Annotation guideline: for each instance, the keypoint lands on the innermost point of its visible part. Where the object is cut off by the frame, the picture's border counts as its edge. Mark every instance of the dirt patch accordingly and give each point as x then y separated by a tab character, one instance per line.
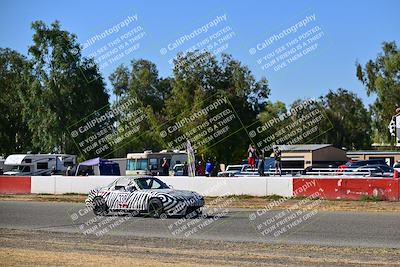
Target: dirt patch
41	248
75	198
248	202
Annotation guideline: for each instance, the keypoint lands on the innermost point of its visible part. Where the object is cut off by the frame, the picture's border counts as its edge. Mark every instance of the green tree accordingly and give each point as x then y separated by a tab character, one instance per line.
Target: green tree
120	80
272	110
381	77
142	81
15	76
198	77
67	87
350	119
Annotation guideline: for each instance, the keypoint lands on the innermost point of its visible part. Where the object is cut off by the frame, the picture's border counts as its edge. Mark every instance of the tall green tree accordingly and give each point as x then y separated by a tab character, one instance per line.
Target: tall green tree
198	77
350	119
141	81
15	76
67	87
272	110
381	77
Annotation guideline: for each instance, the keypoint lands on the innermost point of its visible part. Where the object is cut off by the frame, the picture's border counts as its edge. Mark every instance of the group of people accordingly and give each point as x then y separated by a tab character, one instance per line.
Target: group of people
208	169
252	157
205	170
200	168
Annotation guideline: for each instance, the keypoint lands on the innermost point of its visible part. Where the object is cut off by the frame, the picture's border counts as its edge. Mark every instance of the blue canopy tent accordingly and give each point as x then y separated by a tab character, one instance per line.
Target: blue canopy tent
98	166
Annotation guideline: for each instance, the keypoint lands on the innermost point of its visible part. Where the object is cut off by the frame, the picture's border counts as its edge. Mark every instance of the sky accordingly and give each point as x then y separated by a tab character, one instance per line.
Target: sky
303	48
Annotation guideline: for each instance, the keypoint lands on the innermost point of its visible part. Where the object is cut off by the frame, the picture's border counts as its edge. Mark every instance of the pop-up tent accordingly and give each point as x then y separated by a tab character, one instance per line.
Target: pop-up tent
97	166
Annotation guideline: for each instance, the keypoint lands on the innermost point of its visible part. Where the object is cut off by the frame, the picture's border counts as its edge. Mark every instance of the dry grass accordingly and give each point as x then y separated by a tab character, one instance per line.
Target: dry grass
39	248
33	257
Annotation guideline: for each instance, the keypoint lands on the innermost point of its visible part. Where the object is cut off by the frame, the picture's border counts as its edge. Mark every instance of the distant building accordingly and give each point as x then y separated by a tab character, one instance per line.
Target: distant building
302	156
389	156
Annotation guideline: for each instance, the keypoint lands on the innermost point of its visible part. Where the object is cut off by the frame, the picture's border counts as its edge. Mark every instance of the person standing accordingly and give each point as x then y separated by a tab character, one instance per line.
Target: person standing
261	163
251	157
200	171
185	169
209	168
278	160
165	167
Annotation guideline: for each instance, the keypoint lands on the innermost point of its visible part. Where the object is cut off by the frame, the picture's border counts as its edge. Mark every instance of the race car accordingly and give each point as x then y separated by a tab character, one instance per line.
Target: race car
144	194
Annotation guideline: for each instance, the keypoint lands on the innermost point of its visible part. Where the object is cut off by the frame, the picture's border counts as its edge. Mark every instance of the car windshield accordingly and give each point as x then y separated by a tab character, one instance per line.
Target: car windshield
137	165
178	167
386	168
150	183
122	181
21	168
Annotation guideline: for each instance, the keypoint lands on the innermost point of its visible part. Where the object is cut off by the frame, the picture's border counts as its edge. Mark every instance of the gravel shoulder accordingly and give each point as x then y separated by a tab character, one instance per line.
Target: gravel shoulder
41	248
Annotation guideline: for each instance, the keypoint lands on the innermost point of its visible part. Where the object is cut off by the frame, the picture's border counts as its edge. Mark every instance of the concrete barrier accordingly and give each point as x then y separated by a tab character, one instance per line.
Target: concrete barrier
207	186
203	185
221	186
281	186
43	185
68	184
355	188
81	185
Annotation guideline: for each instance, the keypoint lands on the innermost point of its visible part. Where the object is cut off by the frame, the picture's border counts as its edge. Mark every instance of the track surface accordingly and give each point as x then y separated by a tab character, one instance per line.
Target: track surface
324	228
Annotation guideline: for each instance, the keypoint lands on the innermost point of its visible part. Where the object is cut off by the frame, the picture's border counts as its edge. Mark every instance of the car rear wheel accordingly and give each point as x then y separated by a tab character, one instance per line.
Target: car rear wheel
156	209
100	207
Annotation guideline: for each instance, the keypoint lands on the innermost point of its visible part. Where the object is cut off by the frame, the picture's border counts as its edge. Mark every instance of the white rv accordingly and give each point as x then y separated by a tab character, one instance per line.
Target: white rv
149	162
3	168
39	164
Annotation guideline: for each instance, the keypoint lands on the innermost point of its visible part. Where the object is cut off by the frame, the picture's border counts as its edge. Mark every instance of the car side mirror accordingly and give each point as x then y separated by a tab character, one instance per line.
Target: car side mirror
170	186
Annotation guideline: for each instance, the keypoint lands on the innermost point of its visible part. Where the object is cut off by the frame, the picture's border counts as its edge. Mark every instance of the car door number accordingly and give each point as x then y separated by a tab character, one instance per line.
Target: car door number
122	200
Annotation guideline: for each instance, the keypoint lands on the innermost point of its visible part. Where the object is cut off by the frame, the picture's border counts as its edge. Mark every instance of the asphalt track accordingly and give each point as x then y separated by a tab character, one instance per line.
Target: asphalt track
360	229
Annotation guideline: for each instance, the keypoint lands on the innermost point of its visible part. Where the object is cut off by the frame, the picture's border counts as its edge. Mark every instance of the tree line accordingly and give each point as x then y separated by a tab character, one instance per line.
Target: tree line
54	86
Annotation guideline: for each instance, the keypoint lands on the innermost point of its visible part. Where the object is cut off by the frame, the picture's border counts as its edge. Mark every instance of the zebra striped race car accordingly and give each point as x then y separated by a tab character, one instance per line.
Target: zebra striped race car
143	194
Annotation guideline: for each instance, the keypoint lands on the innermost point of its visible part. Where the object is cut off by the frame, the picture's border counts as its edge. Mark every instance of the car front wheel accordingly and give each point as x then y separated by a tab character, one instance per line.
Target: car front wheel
155	208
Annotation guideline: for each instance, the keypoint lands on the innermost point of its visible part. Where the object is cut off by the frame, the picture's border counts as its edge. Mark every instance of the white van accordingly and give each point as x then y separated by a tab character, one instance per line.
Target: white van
39	164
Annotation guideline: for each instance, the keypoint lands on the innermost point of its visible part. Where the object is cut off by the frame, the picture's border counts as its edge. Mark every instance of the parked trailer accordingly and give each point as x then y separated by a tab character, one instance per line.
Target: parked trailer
38	164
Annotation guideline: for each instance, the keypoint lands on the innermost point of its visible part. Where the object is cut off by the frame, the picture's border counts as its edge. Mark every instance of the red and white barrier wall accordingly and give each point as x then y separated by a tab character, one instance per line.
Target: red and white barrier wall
318	187
207	186
347	188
